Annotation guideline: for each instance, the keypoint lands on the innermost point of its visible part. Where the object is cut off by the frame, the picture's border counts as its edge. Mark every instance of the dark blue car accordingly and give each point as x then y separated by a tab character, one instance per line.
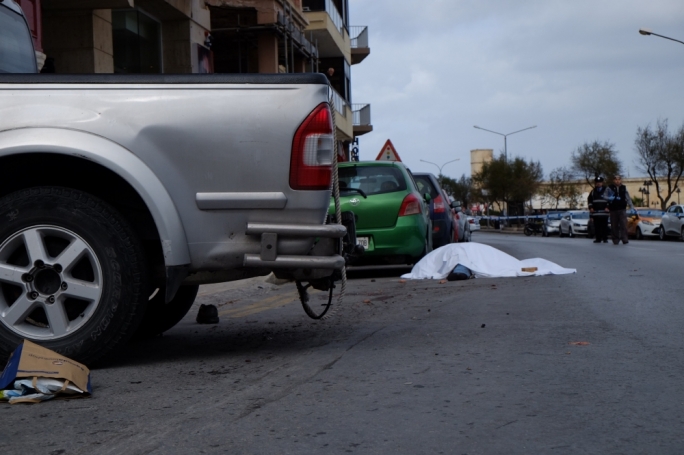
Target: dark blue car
443	229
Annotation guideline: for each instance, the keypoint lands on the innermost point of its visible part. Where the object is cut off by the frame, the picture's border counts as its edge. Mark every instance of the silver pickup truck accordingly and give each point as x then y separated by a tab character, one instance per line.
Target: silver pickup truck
121	194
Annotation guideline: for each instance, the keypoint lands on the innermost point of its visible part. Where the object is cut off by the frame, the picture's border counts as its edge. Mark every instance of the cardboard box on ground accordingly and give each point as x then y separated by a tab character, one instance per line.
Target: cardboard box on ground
34	373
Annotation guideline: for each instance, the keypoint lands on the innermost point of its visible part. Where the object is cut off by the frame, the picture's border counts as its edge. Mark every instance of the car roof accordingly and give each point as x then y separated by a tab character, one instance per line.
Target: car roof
370	163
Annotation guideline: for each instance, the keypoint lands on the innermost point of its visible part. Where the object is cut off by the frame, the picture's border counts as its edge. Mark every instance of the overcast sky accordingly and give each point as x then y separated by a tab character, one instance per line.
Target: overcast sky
578	69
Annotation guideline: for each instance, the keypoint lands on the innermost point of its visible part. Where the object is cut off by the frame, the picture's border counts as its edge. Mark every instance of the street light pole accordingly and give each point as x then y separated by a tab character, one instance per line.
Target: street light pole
647	32
438	166
505	136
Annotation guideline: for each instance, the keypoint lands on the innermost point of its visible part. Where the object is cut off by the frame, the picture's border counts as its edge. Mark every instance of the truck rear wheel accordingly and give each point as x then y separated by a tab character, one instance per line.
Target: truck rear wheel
73	274
160	316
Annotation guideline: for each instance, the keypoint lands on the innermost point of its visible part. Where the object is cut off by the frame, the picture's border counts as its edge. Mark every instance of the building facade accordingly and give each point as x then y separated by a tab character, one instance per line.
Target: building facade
206	36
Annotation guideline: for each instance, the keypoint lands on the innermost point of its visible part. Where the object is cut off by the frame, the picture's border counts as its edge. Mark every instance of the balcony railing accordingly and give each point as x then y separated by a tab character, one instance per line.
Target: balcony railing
340	103
362	114
359	36
329	7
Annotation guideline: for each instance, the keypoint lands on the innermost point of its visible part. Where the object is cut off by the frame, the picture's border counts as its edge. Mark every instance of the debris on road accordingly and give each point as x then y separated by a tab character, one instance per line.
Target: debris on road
207	314
579	343
34	374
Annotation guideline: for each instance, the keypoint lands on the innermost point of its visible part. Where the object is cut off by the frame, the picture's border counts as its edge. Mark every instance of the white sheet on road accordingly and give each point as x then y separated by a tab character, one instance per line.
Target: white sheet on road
483	260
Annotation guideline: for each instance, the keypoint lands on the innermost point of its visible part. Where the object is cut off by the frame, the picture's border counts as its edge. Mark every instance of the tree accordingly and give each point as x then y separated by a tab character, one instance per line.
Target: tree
561	187
461	189
511	182
596	158
661	155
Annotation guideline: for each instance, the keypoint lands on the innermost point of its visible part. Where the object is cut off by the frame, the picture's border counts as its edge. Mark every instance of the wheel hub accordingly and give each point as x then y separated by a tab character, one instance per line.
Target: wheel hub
47	281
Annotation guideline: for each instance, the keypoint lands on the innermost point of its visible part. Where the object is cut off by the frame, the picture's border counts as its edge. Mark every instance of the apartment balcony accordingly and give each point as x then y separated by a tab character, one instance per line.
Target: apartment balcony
361	119
328	28
360	49
344	117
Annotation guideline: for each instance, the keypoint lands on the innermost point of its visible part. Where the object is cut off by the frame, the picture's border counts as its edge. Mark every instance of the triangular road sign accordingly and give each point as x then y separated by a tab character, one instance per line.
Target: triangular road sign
388	153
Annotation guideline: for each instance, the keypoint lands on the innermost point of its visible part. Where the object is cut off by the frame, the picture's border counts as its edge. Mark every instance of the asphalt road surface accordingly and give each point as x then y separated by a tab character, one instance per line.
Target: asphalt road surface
590	363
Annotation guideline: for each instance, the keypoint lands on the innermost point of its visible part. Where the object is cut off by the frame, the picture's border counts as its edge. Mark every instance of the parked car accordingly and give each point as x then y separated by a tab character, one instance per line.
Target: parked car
474	223
672	223
122	193
392	216
551	223
643	222
444	222
574	222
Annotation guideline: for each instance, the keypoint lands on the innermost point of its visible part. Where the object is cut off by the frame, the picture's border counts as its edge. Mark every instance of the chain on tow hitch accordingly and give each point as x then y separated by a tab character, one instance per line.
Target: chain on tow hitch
301	289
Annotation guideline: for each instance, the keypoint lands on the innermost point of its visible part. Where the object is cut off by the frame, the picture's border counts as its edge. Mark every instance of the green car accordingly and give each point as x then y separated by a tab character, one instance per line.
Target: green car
392	218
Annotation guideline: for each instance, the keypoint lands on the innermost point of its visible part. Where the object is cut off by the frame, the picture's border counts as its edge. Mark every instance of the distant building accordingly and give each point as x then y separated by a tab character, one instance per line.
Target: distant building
478	157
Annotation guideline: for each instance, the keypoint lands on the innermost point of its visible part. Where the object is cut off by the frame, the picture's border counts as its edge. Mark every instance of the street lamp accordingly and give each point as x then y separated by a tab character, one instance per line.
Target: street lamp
438	166
647	32
505	136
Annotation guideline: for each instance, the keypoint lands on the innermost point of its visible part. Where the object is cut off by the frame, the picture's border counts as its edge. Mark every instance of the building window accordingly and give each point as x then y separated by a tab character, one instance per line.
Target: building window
137	42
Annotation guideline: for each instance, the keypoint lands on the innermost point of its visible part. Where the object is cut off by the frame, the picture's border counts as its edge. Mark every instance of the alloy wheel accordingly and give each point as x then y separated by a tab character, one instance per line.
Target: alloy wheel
50	282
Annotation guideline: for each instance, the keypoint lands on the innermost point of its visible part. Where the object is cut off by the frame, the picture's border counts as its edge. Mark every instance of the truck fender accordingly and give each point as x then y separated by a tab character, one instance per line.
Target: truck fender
117	159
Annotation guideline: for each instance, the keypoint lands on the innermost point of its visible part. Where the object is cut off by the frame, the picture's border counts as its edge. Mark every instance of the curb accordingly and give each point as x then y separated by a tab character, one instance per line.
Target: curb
502	231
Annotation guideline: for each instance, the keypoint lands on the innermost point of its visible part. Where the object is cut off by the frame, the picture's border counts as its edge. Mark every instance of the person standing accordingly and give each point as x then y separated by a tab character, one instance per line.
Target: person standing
598	207
618	200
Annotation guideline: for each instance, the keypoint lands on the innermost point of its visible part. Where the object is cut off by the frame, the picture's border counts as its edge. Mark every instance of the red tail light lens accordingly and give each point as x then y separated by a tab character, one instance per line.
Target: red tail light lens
410	206
312	151
438	205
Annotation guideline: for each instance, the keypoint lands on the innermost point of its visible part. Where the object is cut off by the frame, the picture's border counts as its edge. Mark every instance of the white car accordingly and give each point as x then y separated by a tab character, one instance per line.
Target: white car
474	223
552	223
672	223
574	222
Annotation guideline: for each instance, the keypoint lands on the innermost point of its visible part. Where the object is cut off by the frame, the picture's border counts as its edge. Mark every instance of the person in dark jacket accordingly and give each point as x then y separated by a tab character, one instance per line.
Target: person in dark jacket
598	206
618	200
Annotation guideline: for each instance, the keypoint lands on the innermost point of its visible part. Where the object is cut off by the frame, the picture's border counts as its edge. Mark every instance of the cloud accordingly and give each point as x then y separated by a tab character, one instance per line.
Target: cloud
579	70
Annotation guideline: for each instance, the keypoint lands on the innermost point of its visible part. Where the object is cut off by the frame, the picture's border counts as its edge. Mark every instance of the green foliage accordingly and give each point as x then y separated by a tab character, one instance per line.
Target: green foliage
561	187
461	189
513	181
661	155
595	158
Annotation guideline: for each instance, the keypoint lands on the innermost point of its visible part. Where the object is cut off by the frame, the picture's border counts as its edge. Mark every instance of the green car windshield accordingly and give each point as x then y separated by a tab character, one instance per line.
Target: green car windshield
372	179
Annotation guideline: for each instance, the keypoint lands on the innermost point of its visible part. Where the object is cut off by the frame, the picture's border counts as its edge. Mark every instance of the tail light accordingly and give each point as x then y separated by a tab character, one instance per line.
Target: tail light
312	151
410	206
471	221
438	205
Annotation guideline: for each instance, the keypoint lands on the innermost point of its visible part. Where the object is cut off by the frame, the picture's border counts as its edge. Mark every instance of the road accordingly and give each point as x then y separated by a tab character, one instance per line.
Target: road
589	363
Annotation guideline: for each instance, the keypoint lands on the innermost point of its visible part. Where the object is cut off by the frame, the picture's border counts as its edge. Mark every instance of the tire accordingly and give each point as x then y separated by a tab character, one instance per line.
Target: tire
527	231
160	317
681	235
639	234
661	233
82	287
